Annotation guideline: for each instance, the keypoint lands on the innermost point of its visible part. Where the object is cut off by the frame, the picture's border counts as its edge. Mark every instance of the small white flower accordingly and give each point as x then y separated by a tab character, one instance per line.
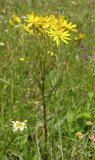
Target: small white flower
19	125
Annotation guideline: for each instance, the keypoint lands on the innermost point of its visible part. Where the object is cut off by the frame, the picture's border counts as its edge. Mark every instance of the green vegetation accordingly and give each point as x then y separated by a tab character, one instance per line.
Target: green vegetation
71	107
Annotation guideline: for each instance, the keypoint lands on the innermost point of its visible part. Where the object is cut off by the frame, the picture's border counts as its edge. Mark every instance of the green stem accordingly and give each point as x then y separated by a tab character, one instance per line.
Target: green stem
44	118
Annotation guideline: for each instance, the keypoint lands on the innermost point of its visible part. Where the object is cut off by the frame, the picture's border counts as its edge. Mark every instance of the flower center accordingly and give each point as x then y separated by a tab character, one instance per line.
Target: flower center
18	125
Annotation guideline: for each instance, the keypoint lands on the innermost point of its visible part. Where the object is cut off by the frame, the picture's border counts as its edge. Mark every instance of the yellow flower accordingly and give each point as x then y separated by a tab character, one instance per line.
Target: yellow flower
60	22
30	18
34	20
69	26
14	20
61	19
51	22
59	35
19	125
42	20
21	59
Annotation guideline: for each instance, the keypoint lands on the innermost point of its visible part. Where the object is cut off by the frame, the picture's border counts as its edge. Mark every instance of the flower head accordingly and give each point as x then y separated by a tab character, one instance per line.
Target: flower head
59	34
50	22
34	20
69	26
15	20
19	125
60	22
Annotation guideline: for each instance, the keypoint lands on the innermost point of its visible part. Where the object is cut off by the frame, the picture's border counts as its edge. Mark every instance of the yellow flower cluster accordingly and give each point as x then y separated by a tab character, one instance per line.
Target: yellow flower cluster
57	28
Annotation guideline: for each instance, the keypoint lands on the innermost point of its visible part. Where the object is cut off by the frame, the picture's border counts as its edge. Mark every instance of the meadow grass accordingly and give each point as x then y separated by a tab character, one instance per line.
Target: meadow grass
73	103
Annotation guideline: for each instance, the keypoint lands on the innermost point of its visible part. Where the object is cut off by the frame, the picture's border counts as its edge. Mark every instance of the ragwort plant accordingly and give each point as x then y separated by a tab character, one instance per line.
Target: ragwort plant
46	33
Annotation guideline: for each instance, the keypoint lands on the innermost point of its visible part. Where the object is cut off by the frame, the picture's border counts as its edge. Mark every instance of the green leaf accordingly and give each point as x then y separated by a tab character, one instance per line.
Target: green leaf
84	116
90	95
70	116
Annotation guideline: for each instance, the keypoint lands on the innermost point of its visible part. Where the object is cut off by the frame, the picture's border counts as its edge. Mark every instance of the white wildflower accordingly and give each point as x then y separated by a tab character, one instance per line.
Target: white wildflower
19	125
